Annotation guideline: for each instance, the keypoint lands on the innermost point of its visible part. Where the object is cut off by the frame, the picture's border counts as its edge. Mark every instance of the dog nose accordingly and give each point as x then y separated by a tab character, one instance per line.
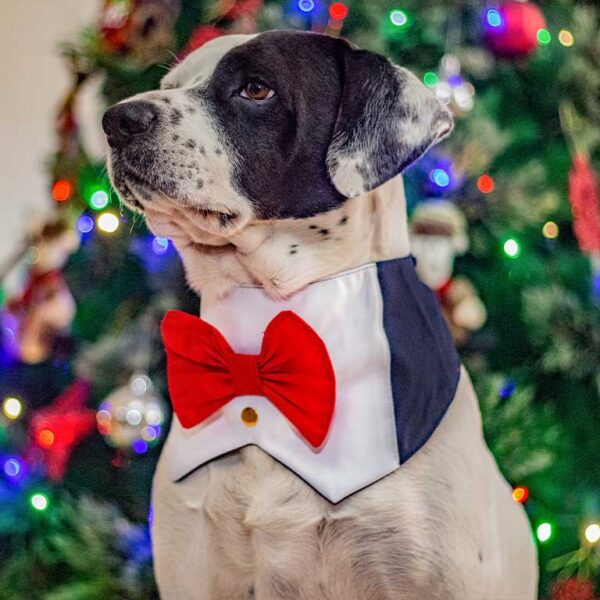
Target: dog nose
125	122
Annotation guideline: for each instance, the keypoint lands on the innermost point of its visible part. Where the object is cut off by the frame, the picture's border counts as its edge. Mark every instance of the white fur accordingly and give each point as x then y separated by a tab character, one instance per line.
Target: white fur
441	527
244	522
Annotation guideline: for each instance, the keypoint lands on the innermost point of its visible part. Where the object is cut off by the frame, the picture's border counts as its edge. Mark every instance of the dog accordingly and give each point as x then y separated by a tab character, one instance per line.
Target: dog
273	163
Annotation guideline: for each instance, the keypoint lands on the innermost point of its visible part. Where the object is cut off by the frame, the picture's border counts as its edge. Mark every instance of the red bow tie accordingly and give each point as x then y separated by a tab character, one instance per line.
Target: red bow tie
293	370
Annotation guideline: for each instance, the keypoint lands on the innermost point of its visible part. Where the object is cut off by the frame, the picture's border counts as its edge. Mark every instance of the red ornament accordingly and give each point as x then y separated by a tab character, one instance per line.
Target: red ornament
573	589
59	427
514	35
584	194
199	37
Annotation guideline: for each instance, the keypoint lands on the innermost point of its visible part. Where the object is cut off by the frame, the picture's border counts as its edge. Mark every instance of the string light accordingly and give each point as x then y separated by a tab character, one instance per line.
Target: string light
61	190
99	200
39	501
430	79
108	222
592	533
543	37
306	6
12	408
45	438
565	37
398	18
550	230
140	446
544	532
493	18
338	11
512	248
160	245
440	177
12	468
520	494
85	224
485	184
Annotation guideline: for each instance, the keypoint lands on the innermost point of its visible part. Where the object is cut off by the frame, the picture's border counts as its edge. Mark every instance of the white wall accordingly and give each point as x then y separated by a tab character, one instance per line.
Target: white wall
33	81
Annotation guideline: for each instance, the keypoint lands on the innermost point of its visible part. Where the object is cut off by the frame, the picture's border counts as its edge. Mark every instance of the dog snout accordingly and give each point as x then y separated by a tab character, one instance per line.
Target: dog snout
129	121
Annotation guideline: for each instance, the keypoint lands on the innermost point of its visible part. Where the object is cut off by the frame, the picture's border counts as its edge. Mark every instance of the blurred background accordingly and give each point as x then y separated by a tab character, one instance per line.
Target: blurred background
505	223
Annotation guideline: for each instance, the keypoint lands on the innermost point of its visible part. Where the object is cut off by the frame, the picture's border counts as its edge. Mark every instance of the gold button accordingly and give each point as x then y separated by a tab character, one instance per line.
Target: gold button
249	417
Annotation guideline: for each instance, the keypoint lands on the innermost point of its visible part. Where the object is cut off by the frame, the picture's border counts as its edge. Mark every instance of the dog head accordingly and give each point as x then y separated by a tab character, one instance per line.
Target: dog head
281	125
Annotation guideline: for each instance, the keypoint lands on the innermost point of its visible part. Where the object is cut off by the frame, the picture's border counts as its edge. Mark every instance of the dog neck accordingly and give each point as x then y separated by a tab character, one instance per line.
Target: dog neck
284	256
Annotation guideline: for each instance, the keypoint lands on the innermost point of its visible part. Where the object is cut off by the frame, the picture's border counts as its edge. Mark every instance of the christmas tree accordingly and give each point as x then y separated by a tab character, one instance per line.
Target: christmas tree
513	193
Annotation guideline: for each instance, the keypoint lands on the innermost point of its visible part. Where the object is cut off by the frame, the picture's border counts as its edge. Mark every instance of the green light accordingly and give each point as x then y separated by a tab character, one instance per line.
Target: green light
99	200
399	18
430	79
39	501
544	37
512	248
544	532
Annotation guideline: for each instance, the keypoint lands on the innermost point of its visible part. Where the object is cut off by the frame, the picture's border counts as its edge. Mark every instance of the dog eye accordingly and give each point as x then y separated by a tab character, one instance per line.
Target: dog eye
256	91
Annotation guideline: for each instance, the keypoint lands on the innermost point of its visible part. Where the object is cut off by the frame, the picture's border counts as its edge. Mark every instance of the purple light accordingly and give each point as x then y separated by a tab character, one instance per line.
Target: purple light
13	468
85	224
455	80
160	245
140	446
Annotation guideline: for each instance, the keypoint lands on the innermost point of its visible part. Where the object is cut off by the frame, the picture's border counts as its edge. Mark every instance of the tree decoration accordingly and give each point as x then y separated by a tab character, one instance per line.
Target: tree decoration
438	235
59	427
132	416
512	28
450	86
230	17
584	195
141	30
573	589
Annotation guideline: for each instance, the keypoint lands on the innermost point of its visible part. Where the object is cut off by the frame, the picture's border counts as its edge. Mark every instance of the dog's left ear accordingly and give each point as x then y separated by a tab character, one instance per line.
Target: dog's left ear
387	118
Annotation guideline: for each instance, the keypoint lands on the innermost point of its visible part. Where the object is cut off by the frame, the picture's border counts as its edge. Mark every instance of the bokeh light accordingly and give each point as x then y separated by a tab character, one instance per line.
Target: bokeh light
85	224
12	408
550	230
431	79
544	532
306	6
108	222
565	37
543	37
520	494
485	184
398	18
512	248
61	190
592	533
338	11
39	501
99	200
493	18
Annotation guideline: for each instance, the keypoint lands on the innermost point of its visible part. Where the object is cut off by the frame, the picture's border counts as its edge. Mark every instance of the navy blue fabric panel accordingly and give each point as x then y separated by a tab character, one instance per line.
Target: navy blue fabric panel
425	366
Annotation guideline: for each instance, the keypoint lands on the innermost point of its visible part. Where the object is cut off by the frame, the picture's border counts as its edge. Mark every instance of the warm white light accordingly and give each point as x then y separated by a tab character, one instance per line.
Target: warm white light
108	222
12	408
592	533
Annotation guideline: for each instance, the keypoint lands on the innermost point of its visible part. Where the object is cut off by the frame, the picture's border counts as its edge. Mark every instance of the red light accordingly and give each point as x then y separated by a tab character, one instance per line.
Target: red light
338	11
520	494
45	438
485	184
61	190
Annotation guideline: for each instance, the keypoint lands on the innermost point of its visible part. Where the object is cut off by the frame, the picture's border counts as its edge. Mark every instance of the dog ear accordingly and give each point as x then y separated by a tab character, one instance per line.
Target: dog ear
387	118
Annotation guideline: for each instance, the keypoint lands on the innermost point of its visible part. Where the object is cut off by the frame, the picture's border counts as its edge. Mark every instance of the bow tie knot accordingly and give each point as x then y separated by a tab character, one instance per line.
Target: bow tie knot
246	380
293	370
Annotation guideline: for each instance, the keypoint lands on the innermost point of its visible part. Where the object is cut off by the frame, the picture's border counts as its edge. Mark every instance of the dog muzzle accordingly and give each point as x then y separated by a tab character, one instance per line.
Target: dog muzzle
342	383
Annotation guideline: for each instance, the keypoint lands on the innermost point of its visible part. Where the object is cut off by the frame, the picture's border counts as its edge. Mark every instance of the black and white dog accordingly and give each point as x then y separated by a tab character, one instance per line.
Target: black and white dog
273	162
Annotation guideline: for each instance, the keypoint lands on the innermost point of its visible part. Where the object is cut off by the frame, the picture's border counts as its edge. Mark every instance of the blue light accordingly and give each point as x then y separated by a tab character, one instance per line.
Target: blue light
306	6
160	245
85	224
507	389
12	468
140	446
440	178
493	17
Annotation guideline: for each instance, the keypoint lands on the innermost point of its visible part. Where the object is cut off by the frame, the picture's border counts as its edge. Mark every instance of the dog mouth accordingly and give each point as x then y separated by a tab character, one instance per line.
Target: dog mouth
153	196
